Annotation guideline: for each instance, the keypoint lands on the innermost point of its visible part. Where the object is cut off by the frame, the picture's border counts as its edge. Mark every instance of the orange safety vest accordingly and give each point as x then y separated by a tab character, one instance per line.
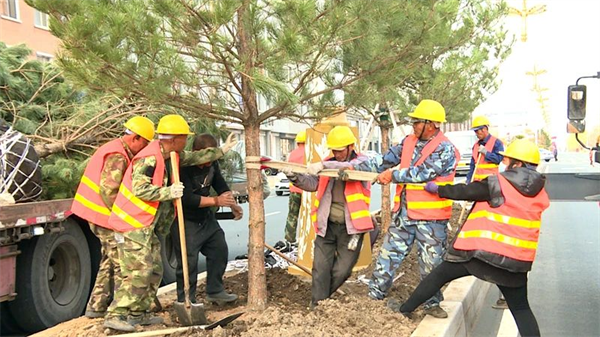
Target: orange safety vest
484	168
420	204
358	199
510	230
88	203
129	212
299	157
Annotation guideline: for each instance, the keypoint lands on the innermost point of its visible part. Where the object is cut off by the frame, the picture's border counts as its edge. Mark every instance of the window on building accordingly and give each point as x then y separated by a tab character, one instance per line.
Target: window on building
10	8
41	19
43	57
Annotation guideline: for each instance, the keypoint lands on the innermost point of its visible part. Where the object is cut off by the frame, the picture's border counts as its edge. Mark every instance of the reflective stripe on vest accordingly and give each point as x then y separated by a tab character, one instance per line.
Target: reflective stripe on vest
88	203
420	204
130	212
358	199
511	230
484	168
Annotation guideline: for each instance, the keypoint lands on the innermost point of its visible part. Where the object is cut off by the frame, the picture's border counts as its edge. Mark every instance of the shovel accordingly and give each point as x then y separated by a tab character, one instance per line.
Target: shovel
464	206
222	322
187	312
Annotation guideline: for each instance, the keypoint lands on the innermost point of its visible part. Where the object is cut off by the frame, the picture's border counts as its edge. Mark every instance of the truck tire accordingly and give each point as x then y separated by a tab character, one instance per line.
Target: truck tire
53	279
167	254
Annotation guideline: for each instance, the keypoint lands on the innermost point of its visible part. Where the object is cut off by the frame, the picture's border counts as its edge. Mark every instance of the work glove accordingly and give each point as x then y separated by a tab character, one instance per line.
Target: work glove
237	211
176	190
314	168
288	172
482	150
385	177
431	187
229	143
226	199
343	174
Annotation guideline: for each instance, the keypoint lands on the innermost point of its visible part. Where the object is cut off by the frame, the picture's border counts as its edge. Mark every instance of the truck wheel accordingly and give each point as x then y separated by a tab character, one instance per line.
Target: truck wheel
167	254
8	325
53	279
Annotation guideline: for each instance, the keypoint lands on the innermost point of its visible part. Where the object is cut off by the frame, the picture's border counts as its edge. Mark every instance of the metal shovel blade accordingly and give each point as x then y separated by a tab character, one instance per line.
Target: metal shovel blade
223	321
192	315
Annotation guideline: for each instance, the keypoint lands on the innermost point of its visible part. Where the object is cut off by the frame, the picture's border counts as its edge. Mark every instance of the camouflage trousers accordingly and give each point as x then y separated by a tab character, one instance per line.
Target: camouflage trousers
292	218
431	237
109	271
141	268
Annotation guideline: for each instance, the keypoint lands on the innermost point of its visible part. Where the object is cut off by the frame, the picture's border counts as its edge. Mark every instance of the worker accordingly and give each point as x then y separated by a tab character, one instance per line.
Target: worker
486	151
202	231
144	209
297	156
498	242
94	200
425	155
484	162
339	214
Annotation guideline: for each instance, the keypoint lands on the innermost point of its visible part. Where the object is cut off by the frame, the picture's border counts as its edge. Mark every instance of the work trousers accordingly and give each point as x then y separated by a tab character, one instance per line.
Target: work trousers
431	238
333	261
291	224
142	270
109	271
516	298
207	238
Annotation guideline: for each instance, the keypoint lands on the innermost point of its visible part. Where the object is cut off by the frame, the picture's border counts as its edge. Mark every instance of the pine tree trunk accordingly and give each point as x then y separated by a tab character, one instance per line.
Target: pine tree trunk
257	280
386	211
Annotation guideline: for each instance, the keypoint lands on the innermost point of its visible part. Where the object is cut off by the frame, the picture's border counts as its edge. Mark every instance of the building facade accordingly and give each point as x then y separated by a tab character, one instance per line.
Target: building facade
22	24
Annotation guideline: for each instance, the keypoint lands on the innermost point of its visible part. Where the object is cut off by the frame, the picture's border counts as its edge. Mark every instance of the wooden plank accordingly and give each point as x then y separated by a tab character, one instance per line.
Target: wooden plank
332	173
11	213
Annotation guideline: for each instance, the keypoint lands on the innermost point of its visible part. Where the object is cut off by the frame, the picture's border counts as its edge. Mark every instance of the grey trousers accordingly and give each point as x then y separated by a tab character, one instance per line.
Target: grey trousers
333	262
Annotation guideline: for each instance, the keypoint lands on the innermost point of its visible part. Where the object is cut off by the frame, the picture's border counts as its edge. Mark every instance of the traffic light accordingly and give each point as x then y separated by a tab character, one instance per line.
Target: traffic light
576	108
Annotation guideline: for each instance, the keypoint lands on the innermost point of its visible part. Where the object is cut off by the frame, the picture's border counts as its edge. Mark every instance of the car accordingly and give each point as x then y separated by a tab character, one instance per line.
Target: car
269	170
282	184
464	141
546	155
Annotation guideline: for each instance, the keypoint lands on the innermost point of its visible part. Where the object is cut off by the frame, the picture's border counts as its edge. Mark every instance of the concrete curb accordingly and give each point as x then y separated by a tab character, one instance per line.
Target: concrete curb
463	299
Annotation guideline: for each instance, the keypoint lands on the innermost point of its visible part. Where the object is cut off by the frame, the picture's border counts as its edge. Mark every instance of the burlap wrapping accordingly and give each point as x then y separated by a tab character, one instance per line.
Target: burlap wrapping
20	169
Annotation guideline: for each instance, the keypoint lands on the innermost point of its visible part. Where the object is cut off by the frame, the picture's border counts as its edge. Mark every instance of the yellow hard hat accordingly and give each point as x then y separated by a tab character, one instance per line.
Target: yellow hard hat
430	110
141	126
480	121
173	125
339	137
301	137
523	150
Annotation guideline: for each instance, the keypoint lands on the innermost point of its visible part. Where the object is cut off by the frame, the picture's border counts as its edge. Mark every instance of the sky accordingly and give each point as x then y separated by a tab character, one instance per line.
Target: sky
565	42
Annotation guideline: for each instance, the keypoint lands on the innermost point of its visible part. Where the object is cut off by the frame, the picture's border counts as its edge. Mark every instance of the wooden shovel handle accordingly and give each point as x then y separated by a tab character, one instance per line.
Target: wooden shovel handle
181	223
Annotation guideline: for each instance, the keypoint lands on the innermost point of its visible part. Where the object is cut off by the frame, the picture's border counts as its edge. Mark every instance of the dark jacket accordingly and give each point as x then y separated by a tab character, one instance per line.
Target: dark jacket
484	264
198	182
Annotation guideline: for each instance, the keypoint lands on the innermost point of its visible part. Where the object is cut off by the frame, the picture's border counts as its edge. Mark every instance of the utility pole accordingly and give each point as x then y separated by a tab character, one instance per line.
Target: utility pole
540	95
524	13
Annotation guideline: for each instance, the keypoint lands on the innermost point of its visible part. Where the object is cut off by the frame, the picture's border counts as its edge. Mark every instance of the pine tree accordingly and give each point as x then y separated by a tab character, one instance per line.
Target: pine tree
248	61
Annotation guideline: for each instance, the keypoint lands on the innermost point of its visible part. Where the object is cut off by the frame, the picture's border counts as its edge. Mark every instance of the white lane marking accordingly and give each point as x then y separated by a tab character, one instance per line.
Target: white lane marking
508	327
272	213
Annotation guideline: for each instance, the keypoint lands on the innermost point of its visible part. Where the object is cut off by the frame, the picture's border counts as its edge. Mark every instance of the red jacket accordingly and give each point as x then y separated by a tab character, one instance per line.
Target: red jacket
422	205
129	212
88	203
510	230
297	156
484	168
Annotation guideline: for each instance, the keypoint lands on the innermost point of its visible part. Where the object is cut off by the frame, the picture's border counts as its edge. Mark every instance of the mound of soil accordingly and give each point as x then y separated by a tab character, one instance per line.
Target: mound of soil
288	313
